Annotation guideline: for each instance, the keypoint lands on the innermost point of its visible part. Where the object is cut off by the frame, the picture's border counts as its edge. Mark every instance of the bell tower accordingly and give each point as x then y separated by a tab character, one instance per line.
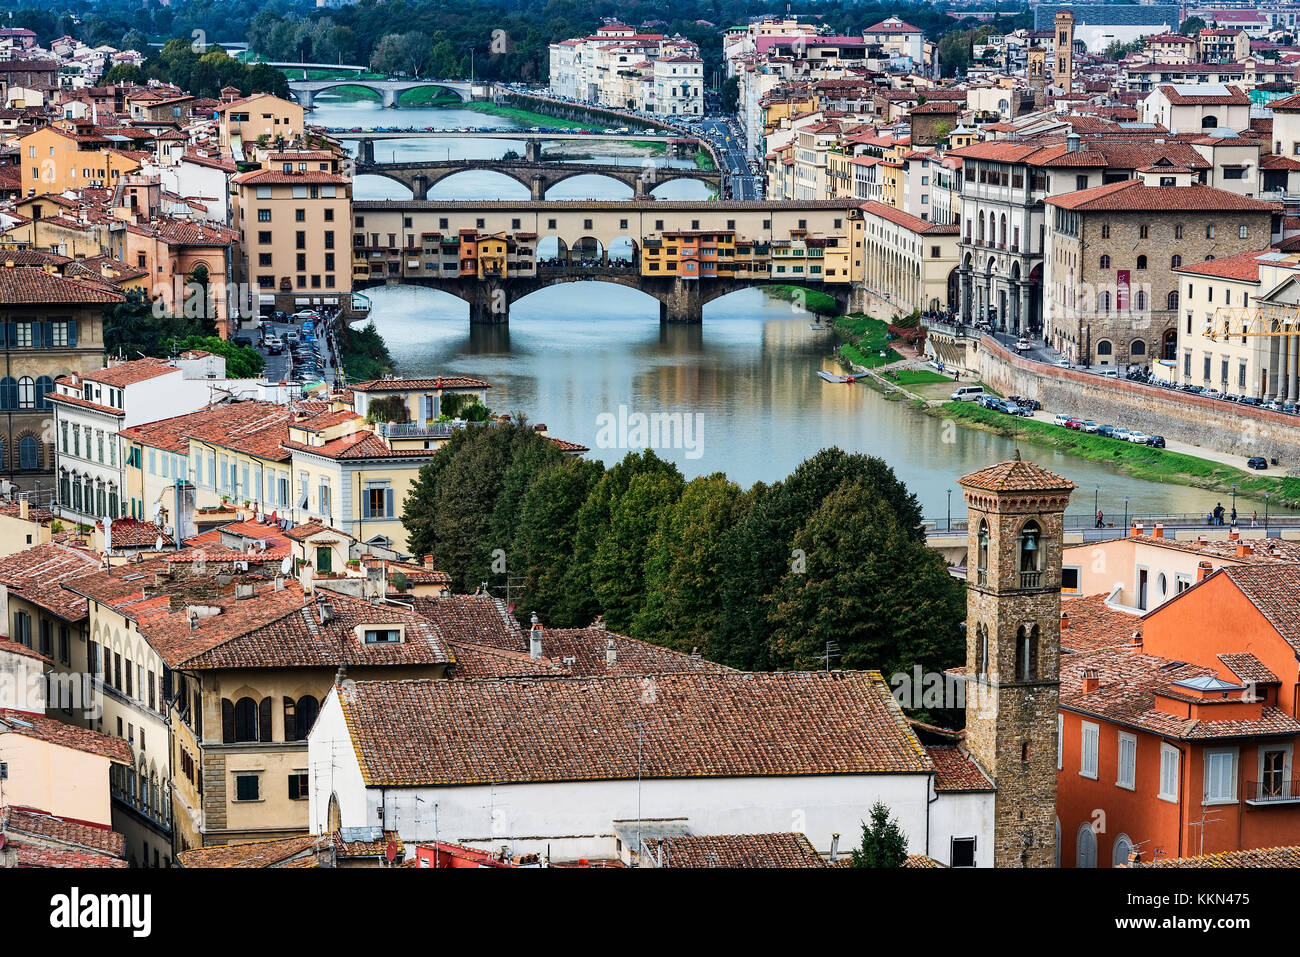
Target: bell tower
1063	72
1016	513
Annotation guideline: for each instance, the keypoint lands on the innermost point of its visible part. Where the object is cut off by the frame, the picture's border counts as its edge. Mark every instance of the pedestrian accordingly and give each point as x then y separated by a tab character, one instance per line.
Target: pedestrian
1233	517
1100	523
1254	519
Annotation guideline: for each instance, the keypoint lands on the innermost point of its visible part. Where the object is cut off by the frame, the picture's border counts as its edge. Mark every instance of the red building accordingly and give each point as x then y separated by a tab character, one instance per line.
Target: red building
1178	730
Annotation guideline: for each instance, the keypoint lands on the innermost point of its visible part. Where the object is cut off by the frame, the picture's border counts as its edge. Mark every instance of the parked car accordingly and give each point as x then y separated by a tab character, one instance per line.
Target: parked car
243	341
1022	345
1121	434
1256	462
1137	438
1156	441
1062	419
1074	425
967	393
1087	425
1106	430
1062	363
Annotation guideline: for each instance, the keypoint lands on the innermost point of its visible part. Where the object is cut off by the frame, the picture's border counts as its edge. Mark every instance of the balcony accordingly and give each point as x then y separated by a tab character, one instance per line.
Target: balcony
416	430
1031	579
1277	790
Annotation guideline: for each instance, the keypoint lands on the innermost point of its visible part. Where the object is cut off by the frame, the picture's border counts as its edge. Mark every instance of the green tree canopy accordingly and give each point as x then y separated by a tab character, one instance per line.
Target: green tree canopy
883	843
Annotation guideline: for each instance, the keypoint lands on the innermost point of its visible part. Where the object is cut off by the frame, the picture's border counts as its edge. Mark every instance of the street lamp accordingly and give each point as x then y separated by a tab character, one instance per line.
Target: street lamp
1234	505
1125	514
950	510
1267	495
1096	502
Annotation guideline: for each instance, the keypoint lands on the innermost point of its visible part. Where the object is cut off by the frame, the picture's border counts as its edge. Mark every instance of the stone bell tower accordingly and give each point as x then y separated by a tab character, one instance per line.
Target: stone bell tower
1063	70
1016	515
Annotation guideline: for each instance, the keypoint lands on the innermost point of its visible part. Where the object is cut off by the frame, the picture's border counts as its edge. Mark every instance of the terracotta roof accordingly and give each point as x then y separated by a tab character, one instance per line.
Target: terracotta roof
435	733
909	222
1244	267
955	771
1092	624
1016	475
358	445
1273	590
1271	857
25	286
40	839
484	661
417	385
474	618
1136	197
37	575
64	735
1234	97
782	849
254	853
1249	669
587	652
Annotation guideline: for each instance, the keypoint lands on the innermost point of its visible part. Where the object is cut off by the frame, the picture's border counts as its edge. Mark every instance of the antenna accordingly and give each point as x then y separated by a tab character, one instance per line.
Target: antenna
832	651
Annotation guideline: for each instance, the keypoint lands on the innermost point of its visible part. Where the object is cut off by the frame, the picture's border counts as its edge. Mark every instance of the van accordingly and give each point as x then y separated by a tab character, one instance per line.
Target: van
968	393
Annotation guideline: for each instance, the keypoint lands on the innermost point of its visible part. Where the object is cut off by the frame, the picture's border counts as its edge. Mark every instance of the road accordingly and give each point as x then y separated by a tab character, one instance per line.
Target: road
279	368
730	147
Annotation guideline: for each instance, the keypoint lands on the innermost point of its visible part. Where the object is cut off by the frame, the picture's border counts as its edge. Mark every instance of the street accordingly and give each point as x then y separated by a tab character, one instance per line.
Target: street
730	148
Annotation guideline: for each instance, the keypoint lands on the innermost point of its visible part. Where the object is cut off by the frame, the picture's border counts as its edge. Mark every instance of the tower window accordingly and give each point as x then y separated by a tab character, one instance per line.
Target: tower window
982	554
1027	653
1031	575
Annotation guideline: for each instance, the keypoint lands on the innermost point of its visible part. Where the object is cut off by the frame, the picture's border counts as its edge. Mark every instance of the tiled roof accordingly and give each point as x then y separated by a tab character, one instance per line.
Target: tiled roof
37	574
298	639
133	533
1248	669
254	853
955	771
1184	97
13	646
1136	197
433	732
24	286
1271	857
1016	475
416	385
64	735
1273	590
1092	624
358	445
1244	267
41	840
782	849
909	222
275	177
587	652
484	661
479	619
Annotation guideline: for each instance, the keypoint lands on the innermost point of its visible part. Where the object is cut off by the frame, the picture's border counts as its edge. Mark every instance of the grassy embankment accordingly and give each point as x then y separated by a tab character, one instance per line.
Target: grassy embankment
365	354
867	342
1140	461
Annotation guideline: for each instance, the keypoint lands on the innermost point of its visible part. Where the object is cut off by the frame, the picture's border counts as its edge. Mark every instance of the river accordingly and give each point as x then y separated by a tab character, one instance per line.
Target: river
574	356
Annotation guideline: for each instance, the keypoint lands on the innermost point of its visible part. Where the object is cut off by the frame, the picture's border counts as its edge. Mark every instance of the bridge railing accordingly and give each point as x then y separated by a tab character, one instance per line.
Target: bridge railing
613	267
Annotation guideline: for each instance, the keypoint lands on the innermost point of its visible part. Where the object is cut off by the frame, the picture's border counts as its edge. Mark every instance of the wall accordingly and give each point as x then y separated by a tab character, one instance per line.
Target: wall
1227	427
63	781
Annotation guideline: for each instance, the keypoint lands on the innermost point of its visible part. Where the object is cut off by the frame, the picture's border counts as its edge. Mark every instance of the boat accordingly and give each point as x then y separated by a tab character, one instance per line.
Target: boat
831	377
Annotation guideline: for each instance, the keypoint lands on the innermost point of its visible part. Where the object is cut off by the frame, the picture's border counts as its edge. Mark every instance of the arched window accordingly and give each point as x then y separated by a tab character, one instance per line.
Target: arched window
1031	555
1142	262
1105	262
1209	122
1171	301
1140	301
982	650
1104	348
982	554
1123	848
1085	854
112	500
243	720
26	392
1027	653
1138	348
44	386
1103	301
29	452
1002	238
307	710
1175	261
8	393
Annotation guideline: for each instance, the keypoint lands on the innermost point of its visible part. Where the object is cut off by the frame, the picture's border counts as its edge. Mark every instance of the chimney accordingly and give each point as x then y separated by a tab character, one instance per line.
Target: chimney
1203	571
1158	531
535	638
428	561
324	613
1073	143
1233	534
599	622
835	847
1244	549
1091	680
1136	529
611	653
1136	639
1065	621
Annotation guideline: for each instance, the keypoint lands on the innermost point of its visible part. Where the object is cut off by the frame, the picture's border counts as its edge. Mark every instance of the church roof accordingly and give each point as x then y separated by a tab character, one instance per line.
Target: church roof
1016	475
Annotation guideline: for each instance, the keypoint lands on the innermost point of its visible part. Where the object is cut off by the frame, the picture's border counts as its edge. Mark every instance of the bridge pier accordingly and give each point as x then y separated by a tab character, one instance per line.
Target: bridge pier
366	151
683	304
489	305
420	186
388	98
306	99
533	150
538	186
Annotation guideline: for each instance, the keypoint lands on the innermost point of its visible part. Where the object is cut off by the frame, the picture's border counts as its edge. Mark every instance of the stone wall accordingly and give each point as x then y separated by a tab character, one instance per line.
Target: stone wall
1210	423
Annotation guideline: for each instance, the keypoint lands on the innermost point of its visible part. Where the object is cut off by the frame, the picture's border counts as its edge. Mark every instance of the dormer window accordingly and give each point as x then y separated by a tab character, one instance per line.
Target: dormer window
381	636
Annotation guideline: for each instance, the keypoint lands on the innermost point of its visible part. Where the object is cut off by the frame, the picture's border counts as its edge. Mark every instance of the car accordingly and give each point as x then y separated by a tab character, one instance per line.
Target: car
1062	363
1087	425
243	341
1109	373
1022	345
1137	438
1121	434
1256	462
1156	441
1106	430
305	314
1062	419
967	393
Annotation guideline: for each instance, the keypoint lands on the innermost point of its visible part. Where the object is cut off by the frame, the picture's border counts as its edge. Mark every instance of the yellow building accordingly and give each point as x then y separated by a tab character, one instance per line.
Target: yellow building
54	160
242	123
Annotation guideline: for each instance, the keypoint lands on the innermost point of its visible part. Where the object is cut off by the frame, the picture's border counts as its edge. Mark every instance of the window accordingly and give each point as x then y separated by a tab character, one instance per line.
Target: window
378	502
1142	262
1088	750
1126	773
963	852
1123	849
247	787
1175	261
1243	232
298	786
1105	262
382	636
1221	776
245	720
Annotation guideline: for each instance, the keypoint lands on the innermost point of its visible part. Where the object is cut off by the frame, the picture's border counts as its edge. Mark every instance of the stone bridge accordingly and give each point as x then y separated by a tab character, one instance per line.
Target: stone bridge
680	300
421	176
305	91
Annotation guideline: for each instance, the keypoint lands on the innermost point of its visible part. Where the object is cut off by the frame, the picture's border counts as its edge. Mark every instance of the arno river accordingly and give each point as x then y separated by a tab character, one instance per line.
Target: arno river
747	375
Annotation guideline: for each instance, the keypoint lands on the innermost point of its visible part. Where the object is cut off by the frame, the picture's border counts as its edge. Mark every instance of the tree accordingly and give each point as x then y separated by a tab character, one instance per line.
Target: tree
242	362
955	52
683	565
1192	26
869	585
883	842
401	53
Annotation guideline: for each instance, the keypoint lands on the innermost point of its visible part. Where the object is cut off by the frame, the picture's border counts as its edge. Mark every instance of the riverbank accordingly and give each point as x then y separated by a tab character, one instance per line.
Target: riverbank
1139	461
364	353
525	118
868	339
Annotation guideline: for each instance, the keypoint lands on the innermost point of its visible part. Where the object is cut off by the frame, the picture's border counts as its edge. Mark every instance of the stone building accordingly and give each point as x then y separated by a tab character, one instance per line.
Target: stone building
1013	646
51	325
1112	296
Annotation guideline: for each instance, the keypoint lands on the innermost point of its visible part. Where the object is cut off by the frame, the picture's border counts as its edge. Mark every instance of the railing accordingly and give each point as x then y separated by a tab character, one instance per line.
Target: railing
1278	790
417	430
1114	522
1031	579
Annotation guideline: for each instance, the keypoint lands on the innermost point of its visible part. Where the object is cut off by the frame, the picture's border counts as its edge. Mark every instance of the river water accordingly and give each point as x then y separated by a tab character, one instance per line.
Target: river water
586	358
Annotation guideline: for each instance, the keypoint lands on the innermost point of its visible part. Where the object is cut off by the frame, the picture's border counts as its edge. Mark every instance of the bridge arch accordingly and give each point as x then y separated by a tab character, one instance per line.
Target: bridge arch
628	182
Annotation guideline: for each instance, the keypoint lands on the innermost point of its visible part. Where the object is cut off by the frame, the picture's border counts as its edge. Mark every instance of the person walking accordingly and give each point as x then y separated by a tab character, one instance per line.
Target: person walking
1254	519
1100	524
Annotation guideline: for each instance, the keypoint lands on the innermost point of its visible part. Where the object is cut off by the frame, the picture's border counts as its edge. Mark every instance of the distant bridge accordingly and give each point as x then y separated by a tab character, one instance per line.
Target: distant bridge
519	135
305	91
422	175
